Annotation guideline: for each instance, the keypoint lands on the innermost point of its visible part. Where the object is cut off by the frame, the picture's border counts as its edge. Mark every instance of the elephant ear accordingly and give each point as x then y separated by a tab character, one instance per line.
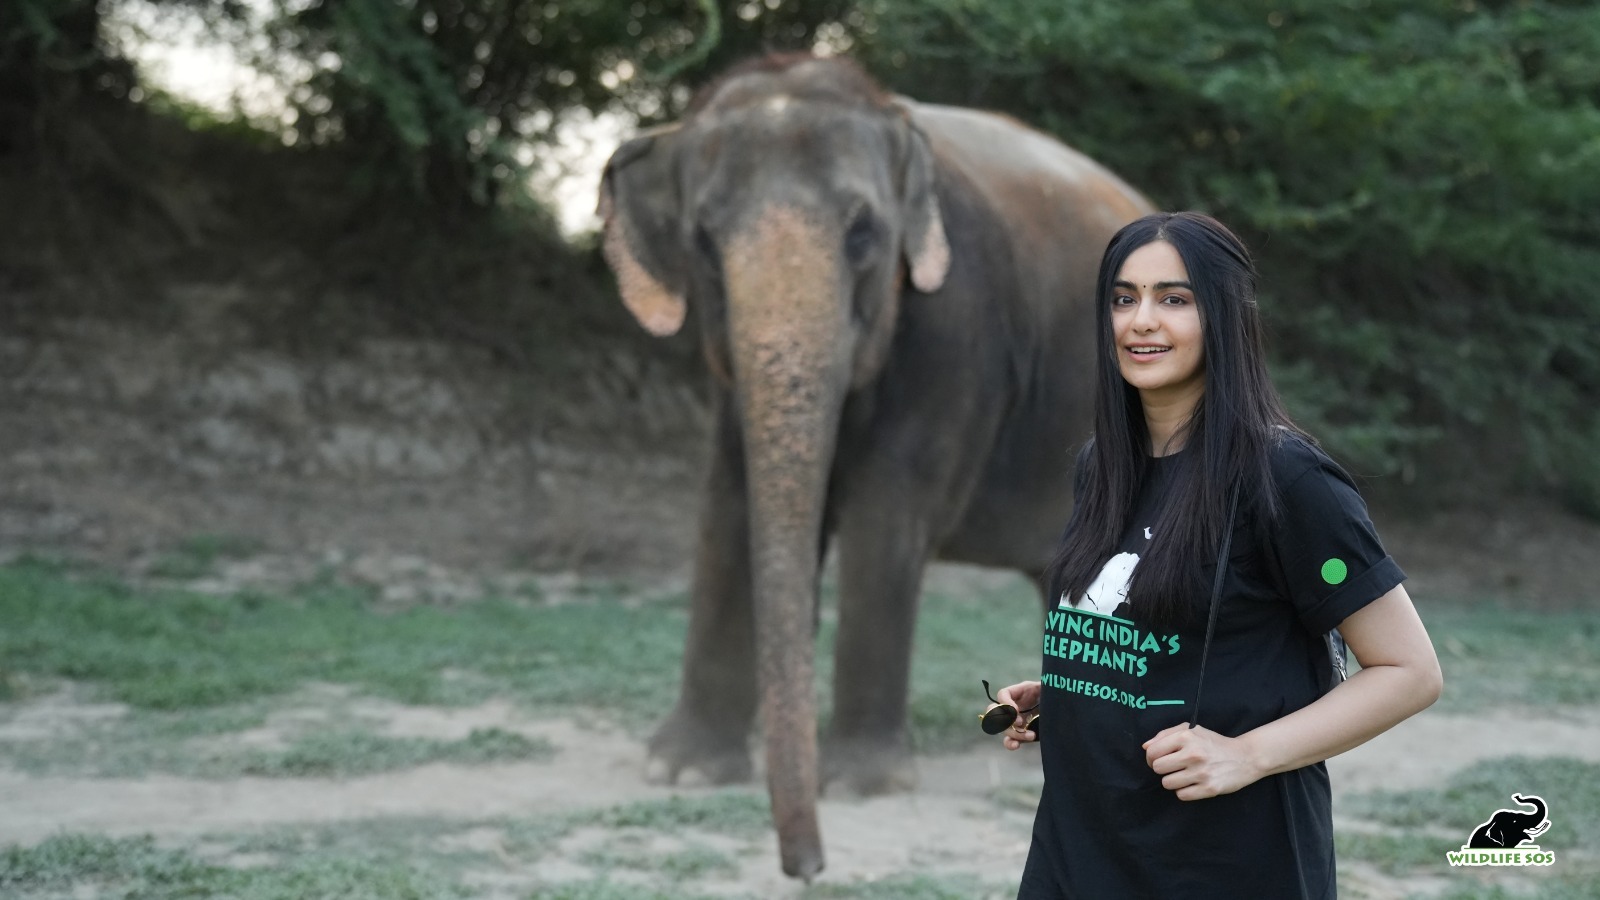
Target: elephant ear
639	206
926	248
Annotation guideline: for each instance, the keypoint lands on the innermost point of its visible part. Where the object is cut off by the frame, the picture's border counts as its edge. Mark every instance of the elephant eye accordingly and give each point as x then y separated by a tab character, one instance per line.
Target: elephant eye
859	238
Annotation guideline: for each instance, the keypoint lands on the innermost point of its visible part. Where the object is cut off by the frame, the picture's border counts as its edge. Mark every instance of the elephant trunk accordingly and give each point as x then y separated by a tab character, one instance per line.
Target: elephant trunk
788	336
1537	803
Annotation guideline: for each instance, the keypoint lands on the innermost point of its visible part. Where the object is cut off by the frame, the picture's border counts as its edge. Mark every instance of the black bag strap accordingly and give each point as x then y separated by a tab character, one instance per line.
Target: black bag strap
1216	600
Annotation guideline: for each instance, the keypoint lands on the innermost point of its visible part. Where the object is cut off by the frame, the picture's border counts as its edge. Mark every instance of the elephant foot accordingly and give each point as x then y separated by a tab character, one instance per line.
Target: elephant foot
684	750
868	767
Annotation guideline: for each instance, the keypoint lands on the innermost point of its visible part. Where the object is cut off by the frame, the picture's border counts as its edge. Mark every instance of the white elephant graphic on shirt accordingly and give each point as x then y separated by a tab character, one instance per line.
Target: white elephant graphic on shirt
1110	587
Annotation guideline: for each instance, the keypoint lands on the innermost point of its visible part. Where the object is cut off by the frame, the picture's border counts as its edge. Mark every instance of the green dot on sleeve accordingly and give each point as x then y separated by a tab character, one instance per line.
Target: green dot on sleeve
1334	571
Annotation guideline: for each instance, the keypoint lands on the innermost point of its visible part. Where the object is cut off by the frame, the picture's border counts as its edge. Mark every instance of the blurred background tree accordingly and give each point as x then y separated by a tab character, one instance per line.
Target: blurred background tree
1421	180
454	98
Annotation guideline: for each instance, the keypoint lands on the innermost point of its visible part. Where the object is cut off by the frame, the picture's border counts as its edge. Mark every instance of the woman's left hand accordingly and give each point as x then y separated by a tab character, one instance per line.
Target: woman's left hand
1198	763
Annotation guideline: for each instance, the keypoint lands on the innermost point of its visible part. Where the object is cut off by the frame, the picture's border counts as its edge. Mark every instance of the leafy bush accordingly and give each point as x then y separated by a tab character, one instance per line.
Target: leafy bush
1419	179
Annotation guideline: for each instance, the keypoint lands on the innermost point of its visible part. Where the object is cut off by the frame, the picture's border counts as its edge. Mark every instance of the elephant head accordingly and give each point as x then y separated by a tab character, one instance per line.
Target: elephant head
1510	827
788	208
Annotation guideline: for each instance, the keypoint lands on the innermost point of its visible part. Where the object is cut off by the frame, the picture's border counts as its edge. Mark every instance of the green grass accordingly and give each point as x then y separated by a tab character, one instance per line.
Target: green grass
1561	887
912	887
179	743
689	862
1570	787
174	650
1394	854
171	650
198	556
961	641
402	858
1428	823
1501	657
136	869
607	889
732	812
362	753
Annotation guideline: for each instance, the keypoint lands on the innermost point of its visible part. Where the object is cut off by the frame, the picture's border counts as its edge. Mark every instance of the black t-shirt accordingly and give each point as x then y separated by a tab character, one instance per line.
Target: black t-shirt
1105	826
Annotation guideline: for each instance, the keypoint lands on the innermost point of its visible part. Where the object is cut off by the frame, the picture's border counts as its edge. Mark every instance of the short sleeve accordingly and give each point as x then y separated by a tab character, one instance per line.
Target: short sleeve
1332	561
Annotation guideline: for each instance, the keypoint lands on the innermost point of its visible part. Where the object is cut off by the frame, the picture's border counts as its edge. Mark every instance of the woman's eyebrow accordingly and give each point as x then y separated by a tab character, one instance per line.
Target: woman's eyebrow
1160	285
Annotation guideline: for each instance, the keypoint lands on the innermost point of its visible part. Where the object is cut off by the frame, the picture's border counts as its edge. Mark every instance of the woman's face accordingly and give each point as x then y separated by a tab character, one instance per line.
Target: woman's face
1155	324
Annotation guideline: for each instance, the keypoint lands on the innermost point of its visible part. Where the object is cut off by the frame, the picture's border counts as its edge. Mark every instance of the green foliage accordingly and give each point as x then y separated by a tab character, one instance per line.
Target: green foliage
49	51
1419	180
451	100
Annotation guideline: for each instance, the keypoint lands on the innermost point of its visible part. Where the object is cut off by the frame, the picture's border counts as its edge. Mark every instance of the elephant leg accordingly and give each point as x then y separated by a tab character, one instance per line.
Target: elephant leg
881	558
707	732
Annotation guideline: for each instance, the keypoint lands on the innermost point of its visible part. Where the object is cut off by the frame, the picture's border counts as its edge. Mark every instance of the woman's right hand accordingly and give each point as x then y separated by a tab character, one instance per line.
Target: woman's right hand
1023	695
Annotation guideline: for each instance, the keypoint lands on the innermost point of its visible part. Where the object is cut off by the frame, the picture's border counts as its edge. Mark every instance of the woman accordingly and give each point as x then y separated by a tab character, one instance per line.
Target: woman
1178	767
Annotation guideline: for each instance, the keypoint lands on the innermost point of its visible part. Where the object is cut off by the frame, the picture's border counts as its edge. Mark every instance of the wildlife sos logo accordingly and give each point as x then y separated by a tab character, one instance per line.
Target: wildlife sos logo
1506	838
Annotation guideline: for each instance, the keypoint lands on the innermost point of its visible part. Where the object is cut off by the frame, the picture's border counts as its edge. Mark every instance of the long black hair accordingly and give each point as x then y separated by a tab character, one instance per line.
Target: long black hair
1228	438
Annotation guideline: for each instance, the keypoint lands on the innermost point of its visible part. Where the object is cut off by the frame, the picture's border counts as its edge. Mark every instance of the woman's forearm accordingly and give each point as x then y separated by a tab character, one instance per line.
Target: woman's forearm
1399	678
1371	702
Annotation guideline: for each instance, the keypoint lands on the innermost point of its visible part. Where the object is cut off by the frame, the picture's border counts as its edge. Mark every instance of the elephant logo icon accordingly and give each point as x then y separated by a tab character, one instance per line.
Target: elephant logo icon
1110	588
1504	840
1510	828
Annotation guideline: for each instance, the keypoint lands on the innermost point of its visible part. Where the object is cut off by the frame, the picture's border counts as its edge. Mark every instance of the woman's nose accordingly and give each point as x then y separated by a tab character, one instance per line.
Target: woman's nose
1144	316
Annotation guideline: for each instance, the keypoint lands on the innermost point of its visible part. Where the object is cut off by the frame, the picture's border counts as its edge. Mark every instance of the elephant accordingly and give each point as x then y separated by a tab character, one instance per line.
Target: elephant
1510	827
894	301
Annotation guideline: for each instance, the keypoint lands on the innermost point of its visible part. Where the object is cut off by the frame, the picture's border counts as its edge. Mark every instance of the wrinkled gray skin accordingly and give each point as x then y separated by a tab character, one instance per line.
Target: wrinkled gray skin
1510	827
895	304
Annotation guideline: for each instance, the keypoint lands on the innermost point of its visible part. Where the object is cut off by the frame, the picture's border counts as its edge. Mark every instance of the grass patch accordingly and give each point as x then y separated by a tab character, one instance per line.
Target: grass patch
363	753
734	813
1427	824
174	743
991	634
685	863
1498	657
911	887
1392	854
171	650
1571	788
743	815
607	889
1558	888
198	556
133	745
175	650
137	868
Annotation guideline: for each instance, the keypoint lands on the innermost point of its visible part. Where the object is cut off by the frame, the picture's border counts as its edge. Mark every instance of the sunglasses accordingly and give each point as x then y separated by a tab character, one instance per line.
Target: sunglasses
1001	717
